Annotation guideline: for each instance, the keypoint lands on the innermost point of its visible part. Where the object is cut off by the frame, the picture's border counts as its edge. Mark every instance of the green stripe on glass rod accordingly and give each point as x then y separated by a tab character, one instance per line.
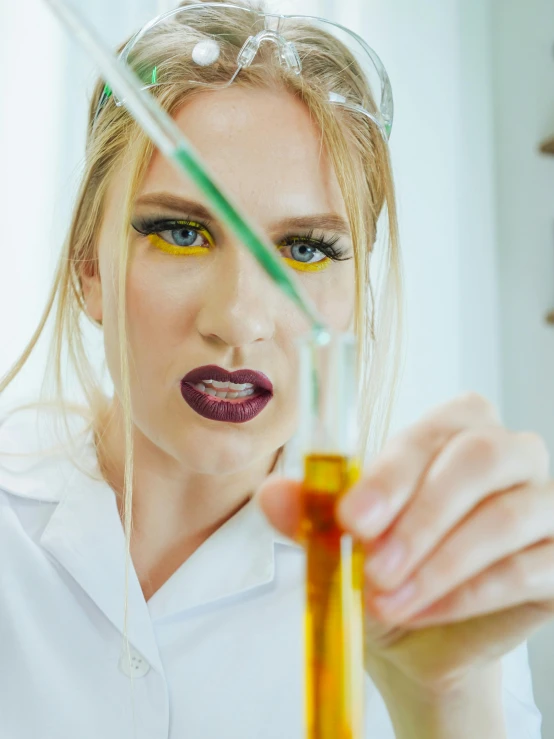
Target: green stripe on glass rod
233	219
166	135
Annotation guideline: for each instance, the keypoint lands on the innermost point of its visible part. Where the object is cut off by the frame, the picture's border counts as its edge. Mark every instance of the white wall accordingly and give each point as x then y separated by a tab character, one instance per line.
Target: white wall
44	103
524	103
524	107
30	103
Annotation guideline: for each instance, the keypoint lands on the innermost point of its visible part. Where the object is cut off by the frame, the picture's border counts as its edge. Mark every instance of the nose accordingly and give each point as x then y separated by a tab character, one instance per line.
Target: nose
238	307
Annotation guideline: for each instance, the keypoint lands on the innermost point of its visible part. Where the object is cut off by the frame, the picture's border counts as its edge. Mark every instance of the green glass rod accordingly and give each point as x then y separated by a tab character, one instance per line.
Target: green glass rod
173	144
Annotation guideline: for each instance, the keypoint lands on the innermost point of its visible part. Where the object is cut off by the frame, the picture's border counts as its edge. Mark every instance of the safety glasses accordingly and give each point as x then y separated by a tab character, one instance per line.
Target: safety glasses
209	34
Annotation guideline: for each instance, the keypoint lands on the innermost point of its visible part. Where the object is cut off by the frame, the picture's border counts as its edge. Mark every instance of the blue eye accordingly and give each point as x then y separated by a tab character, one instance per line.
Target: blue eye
305	253
185	236
182	234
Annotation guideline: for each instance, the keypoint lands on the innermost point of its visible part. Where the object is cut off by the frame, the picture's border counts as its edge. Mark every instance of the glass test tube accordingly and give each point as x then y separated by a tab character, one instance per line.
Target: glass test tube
328	441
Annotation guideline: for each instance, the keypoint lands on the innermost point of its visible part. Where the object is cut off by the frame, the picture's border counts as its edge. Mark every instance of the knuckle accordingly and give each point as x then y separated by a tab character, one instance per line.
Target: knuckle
428	434
469	409
383	477
549	555
539	448
479	403
445	566
548	569
430	512
507	513
388	473
431	432
470	593
520	575
482	450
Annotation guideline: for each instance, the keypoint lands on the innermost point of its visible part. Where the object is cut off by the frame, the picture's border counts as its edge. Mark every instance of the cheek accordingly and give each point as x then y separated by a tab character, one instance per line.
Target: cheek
159	306
334	295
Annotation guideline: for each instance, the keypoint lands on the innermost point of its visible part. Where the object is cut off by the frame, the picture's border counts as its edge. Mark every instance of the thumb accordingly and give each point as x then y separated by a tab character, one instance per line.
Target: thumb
281	502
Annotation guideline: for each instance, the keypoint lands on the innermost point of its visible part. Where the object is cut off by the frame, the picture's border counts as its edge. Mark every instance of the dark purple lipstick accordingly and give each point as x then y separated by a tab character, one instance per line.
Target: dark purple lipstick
237	410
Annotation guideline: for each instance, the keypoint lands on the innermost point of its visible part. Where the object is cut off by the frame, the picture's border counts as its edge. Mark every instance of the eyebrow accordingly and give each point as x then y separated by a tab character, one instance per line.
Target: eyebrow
324	221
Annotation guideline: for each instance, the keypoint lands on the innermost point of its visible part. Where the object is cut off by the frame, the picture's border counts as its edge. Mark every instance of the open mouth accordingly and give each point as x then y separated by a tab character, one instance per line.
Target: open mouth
229	391
220	395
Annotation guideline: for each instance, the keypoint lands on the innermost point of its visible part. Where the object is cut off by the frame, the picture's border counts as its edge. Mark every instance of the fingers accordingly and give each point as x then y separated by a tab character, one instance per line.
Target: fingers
284	510
373	504
469	409
527	577
447	505
280	500
499	528
475	465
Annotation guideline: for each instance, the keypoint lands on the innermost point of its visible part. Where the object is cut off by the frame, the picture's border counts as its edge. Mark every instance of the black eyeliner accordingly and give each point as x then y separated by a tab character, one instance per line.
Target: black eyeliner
326	246
147	225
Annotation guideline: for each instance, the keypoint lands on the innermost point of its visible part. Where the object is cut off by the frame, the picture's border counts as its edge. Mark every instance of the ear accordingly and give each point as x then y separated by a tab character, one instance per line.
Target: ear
92	291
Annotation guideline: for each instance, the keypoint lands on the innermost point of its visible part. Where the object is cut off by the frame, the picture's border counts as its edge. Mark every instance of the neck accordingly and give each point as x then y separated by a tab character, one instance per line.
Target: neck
174	509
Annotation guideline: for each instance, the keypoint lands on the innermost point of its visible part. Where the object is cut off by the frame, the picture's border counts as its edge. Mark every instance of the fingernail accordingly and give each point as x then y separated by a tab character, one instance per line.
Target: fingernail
388	559
364	514
396	599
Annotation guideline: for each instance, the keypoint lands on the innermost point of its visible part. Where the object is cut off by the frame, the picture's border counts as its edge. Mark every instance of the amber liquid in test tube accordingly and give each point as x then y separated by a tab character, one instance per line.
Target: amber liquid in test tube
333	618
328	439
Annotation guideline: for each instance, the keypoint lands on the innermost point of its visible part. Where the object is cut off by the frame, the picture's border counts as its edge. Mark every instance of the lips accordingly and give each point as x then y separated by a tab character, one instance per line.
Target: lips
218	409
213	372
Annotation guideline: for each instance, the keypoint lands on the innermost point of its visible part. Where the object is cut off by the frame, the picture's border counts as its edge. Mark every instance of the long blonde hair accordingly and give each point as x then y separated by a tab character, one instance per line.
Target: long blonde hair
360	158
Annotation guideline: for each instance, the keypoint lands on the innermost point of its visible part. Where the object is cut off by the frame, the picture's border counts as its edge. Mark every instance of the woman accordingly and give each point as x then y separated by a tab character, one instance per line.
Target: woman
455	512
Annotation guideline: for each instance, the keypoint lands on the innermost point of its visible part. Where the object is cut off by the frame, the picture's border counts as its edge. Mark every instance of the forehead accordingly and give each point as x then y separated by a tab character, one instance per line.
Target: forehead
261	145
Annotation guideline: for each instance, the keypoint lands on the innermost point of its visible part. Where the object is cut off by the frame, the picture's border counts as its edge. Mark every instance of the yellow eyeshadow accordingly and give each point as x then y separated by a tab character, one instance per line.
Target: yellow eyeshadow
181	251
187	251
306	266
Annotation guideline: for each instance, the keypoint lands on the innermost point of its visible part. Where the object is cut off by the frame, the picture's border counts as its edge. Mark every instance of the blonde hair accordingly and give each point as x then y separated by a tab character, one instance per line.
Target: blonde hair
360	158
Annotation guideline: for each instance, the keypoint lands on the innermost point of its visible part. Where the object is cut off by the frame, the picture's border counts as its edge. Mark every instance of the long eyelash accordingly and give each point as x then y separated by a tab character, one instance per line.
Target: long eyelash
156	224
326	246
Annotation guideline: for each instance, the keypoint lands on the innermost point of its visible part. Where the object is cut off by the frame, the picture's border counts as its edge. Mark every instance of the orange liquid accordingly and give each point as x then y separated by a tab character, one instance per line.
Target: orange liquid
334	608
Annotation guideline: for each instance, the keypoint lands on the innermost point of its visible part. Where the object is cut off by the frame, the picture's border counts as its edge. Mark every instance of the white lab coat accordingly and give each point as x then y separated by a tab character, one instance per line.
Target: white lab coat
216	653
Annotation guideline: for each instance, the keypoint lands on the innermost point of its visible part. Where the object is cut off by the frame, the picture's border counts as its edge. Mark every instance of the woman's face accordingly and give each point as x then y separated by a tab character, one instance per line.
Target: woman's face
196	297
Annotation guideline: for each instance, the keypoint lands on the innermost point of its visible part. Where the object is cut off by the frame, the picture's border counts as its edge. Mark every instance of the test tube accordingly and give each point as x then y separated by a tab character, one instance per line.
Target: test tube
328	440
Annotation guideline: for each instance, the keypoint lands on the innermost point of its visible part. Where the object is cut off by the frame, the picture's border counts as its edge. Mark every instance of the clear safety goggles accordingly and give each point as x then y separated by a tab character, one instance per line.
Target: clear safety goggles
288	35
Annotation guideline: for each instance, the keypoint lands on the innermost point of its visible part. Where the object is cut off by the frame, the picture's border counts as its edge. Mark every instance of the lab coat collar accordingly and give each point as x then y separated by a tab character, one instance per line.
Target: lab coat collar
85	535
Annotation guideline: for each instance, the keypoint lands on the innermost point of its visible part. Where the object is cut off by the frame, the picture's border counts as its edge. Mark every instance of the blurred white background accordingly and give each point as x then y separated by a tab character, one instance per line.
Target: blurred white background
474	91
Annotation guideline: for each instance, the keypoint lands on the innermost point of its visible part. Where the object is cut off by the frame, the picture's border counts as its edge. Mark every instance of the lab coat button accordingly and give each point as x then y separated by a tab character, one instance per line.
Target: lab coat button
138	665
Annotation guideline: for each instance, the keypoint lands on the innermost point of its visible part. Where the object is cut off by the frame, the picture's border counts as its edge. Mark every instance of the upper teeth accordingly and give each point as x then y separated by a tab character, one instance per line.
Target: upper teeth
229	390
228	385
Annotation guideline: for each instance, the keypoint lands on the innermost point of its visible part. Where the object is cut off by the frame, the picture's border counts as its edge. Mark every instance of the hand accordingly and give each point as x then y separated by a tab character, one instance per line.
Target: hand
456	515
